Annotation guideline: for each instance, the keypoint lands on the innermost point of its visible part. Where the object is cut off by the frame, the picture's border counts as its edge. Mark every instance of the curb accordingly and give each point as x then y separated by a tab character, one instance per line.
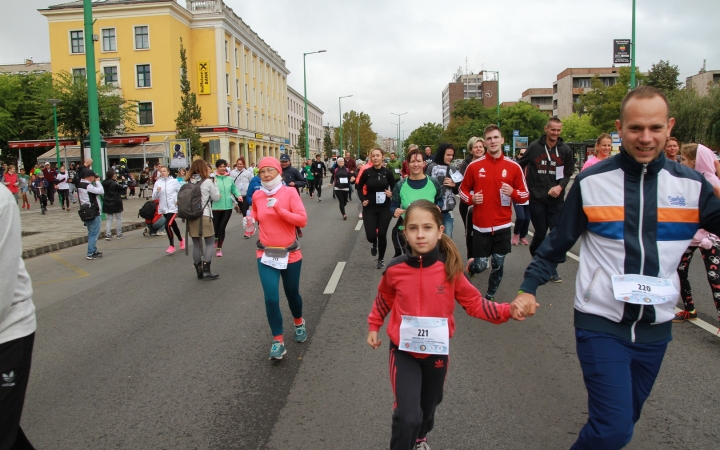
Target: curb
37	251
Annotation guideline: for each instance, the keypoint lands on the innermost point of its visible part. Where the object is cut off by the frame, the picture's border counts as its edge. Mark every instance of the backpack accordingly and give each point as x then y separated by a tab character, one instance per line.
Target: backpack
189	201
147	211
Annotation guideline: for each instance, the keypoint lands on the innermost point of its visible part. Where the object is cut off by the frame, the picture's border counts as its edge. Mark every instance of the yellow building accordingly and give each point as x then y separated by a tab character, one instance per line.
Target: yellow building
239	80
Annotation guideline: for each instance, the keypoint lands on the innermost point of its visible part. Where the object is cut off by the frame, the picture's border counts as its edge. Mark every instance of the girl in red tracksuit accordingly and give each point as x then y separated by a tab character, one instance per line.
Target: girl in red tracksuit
420	290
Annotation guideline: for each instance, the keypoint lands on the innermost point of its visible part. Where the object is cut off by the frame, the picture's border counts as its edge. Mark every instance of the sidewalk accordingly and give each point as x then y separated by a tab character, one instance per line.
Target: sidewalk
62	229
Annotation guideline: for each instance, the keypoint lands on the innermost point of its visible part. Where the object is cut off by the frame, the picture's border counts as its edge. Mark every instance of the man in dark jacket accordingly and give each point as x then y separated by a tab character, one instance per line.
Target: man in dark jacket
292	177
113	204
549	162
318	170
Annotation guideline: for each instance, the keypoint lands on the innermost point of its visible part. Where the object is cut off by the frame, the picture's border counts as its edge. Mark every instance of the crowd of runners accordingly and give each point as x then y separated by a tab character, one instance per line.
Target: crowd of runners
654	197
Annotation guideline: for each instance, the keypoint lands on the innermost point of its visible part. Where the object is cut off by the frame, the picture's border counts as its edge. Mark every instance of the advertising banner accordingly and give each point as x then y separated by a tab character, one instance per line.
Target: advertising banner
621	51
178	153
204	77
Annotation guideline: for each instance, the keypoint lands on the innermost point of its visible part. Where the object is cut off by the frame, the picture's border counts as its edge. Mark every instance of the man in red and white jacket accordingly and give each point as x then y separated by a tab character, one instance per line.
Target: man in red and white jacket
491	184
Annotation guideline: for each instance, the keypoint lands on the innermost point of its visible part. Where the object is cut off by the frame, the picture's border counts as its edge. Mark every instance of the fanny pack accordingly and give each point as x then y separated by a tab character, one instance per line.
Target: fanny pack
278	252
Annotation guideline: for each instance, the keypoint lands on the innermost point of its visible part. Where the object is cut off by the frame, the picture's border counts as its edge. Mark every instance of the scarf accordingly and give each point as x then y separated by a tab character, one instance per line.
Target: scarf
271	187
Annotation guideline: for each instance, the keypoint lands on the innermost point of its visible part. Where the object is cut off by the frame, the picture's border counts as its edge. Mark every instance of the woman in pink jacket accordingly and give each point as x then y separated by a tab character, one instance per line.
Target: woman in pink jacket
702	159
279	210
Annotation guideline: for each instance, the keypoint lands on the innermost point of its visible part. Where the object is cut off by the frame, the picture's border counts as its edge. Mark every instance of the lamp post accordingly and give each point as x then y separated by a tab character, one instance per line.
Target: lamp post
93	109
497	73
307	137
54	102
398	135
632	50
340	109
358	146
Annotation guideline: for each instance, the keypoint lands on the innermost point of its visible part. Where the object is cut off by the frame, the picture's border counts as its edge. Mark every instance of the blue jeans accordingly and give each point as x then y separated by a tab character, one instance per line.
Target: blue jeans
93	227
448	222
619	376
270	280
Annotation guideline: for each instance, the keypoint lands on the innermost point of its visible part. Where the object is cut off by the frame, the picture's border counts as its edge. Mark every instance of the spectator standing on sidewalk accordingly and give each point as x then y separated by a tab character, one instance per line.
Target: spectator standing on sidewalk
88	191
10	179
63	189
50	174
17	326
548	164
112	204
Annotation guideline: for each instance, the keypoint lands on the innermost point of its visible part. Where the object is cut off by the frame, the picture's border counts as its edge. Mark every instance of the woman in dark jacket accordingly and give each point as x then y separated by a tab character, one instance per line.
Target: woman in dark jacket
342	178
113	204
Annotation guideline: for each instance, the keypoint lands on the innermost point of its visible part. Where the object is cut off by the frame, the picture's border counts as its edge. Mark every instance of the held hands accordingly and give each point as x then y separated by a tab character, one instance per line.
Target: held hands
506	189
477	198
555	191
523	306
373	340
398	212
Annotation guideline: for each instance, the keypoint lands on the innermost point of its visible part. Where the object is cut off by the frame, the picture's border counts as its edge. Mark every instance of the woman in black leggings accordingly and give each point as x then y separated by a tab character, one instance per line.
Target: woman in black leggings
379	182
222	209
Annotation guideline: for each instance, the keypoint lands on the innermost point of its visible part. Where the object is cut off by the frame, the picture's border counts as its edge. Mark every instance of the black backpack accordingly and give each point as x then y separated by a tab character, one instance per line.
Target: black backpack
147	211
189	201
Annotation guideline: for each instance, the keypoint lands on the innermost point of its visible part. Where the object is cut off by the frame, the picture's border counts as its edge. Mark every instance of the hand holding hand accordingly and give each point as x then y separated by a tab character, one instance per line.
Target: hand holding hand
523	306
477	198
373	340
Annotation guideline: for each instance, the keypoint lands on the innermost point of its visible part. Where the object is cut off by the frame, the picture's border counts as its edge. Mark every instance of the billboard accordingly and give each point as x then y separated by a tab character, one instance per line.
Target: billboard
178	153
621	51
204	77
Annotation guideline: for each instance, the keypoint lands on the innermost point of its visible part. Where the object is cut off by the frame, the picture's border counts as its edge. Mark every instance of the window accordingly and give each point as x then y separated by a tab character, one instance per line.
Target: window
77	44
108	40
237	90
111	75
609	81
226	50
145	113
142	38
247	118
246	97
143	75
229	116
227	84
245	62
582	82
81	72
238	118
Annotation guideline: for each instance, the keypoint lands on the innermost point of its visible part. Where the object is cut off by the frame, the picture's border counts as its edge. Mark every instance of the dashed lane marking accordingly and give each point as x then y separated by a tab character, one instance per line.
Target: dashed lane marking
359	225
334	278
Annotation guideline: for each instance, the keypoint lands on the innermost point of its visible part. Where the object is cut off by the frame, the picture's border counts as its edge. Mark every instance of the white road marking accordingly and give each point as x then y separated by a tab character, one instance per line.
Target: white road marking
359	225
702	324
334	278
571	255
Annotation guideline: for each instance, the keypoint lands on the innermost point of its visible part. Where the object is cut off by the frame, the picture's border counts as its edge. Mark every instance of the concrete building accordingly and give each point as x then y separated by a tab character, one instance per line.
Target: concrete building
464	87
296	116
571	83
239	80
29	66
541	98
701	81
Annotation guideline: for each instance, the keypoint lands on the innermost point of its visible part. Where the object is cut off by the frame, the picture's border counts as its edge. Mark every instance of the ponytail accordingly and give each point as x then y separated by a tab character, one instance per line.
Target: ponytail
453	261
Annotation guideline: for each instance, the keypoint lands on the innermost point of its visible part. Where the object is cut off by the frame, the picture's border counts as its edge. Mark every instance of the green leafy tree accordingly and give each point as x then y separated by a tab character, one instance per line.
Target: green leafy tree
713	117
428	134
474	109
461	129
526	118
117	115
190	113
691	113
664	77
578	128
300	146
602	102
327	143
354	122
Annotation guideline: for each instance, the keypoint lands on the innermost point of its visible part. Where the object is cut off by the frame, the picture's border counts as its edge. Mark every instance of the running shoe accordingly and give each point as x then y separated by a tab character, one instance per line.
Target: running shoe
300	332
160	233
344	217
277	350
170	249
92	256
524	241
490	298
108	237
380	264
373	249
182	245
515	239
218	253
556	278
422	445
120	236
682	316
319	199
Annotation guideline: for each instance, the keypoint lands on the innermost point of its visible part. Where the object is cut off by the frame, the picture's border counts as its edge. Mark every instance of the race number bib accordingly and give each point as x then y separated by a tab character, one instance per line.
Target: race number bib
343	180
397	170
643	290
428	335
504	199
456	177
559	172
277	258
380	197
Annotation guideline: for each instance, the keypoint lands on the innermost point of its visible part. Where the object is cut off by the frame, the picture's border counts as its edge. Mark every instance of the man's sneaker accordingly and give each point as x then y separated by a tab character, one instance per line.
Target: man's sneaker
319	199
556	278
682	316
373	249
515	239
490	298
300	332
422	445
120	236
108	237
277	350
170	250
160	233
380	264
524	241
93	256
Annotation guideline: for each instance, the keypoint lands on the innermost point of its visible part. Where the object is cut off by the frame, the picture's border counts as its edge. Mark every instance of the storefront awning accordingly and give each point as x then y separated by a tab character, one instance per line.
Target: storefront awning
41	143
152	150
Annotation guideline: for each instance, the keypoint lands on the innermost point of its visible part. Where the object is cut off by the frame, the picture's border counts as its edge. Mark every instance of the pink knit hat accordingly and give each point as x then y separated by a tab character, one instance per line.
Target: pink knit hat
270	161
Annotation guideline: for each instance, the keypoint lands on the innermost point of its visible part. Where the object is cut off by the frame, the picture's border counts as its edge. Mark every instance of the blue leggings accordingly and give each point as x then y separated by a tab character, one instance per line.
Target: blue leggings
270	279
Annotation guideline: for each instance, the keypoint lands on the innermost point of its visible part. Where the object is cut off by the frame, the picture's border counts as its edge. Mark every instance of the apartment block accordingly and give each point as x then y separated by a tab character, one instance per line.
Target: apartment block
482	86
296	116
541	98
702	81
571	83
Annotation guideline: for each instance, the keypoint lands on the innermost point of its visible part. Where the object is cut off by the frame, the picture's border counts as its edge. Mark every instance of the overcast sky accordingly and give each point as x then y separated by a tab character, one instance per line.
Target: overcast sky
397	56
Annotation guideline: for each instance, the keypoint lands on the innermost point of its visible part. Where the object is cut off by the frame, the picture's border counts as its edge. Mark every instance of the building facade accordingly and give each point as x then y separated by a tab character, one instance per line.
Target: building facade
296	117
29	66
239	80
702	81
571	83
464	87
541	98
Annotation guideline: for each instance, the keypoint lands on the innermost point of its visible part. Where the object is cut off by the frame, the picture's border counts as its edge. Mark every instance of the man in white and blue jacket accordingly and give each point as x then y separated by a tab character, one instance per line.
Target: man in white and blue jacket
634	213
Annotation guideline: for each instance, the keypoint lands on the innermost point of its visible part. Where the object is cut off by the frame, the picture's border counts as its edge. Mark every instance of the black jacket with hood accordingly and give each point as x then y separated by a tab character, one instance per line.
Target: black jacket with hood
112	202
447	200
540	173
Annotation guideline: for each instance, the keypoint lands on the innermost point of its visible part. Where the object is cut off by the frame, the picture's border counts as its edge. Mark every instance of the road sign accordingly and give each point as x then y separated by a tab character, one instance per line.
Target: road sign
282	147
516	133
507	148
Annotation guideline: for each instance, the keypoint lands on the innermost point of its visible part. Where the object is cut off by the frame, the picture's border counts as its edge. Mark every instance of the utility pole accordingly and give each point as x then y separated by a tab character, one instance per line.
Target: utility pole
632	50
93	114
398	135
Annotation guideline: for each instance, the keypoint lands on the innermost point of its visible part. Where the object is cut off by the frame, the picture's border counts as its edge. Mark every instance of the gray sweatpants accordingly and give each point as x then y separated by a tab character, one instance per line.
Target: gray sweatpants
118	224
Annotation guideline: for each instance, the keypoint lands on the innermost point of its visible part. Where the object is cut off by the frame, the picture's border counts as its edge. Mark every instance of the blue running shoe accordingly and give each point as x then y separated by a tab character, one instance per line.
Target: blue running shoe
300	332
277	350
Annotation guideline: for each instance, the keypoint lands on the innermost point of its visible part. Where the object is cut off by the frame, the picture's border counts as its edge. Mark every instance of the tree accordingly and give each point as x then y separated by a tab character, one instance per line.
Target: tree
116	114
352	123
328	143
664	77
578	128
691	113
526	118
713	122
300	146
428	134
474	109
190	113
602	102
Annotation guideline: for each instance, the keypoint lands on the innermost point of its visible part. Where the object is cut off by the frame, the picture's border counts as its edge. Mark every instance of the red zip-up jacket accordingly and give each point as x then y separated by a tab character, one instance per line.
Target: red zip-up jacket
487	174
418	286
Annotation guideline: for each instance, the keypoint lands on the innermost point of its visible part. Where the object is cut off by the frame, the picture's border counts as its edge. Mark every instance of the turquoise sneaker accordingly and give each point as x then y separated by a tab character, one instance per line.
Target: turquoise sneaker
300	333
277	350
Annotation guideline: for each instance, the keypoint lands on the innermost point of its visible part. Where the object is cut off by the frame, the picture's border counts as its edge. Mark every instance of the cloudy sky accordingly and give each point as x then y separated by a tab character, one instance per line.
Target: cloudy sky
396	56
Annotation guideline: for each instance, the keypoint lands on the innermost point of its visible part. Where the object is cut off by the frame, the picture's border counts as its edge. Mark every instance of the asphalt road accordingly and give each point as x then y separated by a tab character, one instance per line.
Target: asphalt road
133	352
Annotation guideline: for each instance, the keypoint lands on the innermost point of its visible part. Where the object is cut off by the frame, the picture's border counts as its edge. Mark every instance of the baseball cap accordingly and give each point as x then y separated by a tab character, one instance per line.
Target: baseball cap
284	157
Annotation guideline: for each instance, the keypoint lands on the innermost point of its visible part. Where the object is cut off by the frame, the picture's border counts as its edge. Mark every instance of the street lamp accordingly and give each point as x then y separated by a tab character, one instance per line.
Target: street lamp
398	135
340	109
498	93
54	102
307	137
632	50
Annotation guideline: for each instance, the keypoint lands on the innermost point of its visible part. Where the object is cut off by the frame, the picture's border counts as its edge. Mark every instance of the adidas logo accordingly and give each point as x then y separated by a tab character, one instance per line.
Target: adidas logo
482	170
9	379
